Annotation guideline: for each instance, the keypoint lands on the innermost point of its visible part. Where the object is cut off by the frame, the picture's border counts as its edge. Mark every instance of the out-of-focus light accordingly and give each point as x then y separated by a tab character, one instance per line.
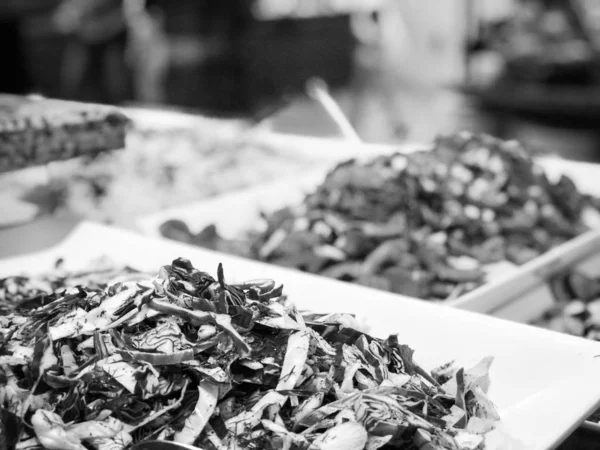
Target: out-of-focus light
278	9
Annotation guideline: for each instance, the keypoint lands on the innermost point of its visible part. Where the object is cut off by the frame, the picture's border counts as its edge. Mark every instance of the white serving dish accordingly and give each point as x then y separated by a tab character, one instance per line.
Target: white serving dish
544	383
525	296
236	212
321	149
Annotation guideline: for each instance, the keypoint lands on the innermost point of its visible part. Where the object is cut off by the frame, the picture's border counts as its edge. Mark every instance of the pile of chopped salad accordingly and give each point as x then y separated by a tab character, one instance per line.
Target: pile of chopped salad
428	224
109	358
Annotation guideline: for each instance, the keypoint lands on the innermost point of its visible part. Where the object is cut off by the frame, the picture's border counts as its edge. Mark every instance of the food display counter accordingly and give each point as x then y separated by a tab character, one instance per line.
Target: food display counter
168	159
210	348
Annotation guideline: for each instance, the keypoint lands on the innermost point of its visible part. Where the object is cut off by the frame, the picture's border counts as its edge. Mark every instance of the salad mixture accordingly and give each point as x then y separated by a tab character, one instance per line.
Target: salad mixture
109	358
428	224
157	169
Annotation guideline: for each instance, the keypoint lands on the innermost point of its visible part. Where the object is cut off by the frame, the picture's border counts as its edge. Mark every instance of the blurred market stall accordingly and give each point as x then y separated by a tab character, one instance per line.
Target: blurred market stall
546	57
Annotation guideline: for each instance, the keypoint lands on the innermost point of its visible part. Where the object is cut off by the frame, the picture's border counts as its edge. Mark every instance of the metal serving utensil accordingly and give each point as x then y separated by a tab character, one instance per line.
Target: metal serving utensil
317	89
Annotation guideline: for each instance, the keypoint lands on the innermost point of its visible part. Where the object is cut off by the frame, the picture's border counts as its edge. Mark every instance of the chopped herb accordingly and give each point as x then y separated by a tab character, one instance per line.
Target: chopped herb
96	360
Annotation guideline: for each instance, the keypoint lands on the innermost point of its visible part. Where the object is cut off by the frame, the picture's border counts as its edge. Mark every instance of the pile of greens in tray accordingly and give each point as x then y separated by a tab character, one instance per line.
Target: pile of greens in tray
106	359
427	224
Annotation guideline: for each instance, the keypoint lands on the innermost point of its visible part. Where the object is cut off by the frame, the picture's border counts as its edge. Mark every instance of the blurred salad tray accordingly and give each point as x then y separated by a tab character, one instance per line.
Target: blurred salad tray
169	158
525	382
229	222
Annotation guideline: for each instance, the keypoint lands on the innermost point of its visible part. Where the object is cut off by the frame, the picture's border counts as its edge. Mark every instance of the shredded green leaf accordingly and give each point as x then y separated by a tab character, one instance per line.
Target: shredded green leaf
190	358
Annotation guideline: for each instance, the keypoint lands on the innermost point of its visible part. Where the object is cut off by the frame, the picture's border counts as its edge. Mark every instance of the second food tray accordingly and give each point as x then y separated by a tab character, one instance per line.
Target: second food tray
227	219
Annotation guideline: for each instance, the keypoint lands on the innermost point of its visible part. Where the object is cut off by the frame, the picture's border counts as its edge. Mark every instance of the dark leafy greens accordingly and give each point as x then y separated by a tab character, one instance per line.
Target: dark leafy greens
427	224
104	360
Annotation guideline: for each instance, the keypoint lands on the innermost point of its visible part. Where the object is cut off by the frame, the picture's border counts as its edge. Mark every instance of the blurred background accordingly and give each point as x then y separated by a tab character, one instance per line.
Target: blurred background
400	69
402	72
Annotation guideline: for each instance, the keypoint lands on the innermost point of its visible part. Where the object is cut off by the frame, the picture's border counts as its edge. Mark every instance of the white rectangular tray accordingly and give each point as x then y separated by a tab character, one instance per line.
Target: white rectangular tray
544	384
525	296
318	148
236	212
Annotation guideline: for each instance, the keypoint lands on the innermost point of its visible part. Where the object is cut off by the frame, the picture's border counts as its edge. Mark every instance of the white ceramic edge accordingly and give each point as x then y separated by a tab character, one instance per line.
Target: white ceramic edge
158	118
293	187
322	149
330	151
495	295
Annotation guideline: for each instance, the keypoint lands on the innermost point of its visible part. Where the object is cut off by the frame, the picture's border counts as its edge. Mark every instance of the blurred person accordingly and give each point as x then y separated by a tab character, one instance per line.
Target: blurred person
148	51
375	111
414	52
95	50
